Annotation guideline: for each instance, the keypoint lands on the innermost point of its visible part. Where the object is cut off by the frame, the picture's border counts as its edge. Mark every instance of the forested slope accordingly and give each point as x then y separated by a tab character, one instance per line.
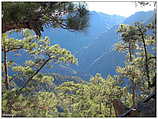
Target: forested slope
89	77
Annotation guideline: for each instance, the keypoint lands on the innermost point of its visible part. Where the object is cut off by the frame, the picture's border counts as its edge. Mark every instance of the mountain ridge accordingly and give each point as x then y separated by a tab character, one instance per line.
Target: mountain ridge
94	49
114	38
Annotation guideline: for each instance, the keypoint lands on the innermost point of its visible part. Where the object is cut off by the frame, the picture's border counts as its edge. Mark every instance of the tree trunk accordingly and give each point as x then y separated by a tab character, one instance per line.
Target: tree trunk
146	60
132	80
5	69
146	56
35	73
110	111
100	108
133	93
119	107
130	52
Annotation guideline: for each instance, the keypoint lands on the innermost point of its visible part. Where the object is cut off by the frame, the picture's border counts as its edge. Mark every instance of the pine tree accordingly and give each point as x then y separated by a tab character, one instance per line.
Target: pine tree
29	73
138	43
37	15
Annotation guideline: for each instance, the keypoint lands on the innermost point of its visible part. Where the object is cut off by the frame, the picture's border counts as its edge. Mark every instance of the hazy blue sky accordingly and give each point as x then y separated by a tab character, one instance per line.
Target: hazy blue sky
119	8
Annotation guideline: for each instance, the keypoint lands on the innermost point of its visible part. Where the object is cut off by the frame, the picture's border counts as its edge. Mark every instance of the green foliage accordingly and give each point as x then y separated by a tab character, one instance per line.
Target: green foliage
40	97
37	95
36	15
40	50
26	100
91	99
138	43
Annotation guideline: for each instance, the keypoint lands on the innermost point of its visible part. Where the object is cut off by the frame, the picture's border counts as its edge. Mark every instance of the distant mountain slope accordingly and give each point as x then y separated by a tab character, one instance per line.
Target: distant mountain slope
94	47
139	16
99	56
98	24
79	42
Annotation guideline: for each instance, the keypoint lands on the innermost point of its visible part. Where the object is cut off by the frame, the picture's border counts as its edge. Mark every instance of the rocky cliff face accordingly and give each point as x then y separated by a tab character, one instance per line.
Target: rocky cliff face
146	108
